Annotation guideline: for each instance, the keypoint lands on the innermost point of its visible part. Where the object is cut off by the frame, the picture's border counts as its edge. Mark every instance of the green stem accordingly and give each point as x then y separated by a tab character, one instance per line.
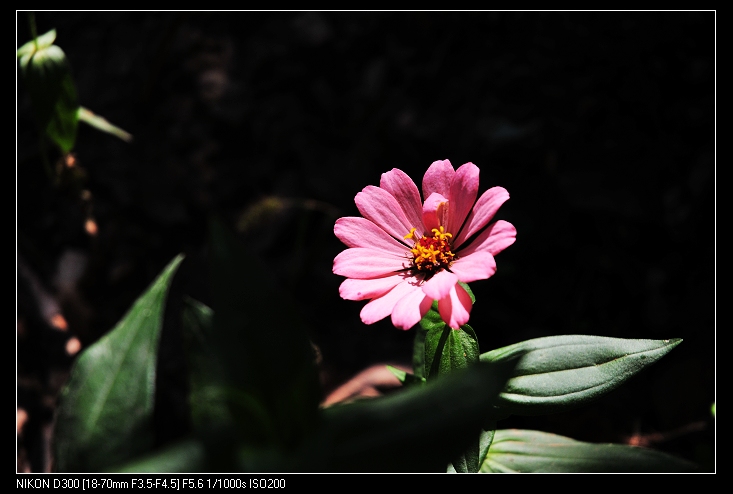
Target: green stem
34	32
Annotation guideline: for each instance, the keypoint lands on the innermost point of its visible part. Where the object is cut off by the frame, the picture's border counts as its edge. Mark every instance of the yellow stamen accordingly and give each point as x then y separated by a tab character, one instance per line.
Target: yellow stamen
431	254
411	234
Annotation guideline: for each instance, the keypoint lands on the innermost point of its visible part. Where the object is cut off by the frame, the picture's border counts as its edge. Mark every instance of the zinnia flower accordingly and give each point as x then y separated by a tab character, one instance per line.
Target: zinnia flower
405	253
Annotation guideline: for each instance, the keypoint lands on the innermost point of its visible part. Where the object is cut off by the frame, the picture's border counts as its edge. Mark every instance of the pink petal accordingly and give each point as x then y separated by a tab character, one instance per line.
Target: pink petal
497	237
354	289
360	232
379	308
476	266
484	210
463	193
455	308
382	209
410	309
397	183
439	285
366	263
438	178
433	212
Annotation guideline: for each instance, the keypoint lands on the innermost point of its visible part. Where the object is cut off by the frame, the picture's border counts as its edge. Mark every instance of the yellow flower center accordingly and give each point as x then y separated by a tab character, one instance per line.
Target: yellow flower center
430	254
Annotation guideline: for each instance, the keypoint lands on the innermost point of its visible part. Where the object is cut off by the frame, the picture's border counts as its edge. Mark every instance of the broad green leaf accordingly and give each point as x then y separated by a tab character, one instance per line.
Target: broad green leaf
558	373
484	443
262	345
432	320
419	429
105	410
101	123
431	327
449	349
527	451
47	75
445	350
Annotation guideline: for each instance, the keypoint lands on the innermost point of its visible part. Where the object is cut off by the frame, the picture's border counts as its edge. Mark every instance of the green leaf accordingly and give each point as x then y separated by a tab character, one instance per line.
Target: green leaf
262	346
432	320
101	123
533	451
208	395
188	456
558	373
448	350
105	411
485	441
47	75
431	327
419	429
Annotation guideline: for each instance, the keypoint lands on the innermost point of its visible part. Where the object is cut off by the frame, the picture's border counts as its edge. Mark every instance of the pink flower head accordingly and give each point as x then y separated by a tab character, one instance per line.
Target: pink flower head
404	253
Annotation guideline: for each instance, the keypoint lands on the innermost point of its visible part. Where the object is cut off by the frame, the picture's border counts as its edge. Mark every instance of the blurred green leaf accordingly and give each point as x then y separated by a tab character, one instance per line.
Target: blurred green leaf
418	429
188	456
207	397
101	123
262	346
558	373
517	451
105	410
47	75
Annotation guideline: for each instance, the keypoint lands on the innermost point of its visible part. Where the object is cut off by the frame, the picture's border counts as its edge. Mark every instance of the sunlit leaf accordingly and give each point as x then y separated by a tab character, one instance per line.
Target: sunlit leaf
105	411
527	451
101	123
558	373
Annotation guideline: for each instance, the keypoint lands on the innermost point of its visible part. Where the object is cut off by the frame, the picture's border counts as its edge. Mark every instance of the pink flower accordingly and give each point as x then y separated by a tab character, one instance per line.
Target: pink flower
404	253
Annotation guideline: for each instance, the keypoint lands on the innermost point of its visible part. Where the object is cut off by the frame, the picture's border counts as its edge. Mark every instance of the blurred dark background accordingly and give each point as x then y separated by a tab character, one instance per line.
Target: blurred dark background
601	125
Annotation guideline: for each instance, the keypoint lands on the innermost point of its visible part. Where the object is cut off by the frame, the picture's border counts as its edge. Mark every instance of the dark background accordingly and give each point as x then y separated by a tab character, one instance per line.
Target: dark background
601	126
